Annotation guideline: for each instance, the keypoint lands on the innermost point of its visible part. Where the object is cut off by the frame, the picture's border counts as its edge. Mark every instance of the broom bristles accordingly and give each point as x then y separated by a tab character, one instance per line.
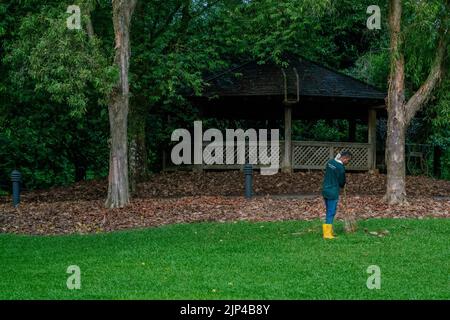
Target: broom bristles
349	219
349	224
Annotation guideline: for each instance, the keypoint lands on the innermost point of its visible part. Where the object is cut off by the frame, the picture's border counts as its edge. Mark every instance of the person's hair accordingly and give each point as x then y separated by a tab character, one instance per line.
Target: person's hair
346	154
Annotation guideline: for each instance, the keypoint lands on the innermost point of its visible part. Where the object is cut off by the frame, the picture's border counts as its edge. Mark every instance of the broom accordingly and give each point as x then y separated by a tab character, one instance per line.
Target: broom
349	218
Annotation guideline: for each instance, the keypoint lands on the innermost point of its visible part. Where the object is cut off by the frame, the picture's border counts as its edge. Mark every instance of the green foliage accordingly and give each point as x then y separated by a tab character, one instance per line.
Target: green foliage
55	81
438	116
424	19
320	130
64	63
420	30
267	28
45	143
50	118
372	68
422	22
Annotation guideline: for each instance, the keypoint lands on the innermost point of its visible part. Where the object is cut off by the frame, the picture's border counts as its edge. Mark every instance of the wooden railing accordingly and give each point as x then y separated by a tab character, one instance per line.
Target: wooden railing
314	154
305	155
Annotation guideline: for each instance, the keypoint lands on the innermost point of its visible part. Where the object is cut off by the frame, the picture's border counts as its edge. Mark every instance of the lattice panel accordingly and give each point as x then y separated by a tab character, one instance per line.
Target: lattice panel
359	156
311	155
305	155
315	156
264	157
209	153
251	154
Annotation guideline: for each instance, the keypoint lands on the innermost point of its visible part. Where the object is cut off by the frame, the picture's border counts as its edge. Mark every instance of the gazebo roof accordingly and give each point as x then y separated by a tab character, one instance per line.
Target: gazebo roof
259	91
314	80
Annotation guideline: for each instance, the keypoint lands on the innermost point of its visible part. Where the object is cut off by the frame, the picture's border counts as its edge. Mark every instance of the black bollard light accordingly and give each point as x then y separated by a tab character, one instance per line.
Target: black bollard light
16	177
248	172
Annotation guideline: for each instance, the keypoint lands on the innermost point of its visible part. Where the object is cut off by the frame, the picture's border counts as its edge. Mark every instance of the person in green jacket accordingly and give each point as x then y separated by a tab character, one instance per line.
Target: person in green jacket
334	179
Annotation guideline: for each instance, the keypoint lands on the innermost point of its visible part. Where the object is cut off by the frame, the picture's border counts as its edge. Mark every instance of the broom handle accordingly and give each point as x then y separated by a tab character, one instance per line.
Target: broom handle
345	200
346	213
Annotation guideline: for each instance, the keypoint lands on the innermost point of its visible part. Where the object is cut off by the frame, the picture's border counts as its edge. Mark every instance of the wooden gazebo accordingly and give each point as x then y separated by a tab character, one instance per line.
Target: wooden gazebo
303	90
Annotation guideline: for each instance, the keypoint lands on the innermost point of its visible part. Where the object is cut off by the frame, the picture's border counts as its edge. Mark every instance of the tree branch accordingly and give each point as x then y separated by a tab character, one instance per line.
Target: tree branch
156	32
89	27
397	72
424	92
87	8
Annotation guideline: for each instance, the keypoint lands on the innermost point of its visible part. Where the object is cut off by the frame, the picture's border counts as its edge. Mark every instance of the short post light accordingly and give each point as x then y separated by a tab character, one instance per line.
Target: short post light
16	178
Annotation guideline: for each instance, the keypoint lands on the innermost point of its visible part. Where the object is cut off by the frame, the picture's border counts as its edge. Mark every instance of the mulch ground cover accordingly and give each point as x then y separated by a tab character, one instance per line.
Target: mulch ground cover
183	197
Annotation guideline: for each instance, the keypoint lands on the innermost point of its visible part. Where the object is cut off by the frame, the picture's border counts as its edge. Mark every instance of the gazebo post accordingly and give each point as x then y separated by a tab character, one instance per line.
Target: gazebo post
372	138
287	159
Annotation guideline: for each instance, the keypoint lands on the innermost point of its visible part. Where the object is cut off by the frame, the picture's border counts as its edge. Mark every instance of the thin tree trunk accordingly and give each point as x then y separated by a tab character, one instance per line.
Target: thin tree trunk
138	159
87	9
137	149
118	188
132	156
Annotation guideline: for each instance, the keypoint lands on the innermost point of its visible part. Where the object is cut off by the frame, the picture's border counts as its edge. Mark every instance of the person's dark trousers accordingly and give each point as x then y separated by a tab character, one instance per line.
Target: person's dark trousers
331	206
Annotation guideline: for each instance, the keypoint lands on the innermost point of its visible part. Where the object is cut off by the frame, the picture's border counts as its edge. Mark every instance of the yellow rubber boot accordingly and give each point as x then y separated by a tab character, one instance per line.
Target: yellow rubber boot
327	231
331	232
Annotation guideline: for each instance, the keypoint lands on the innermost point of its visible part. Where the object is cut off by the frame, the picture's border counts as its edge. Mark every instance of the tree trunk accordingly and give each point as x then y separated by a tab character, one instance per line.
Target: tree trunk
137	152
138	160
395	143
118	189
395	160
400	113
132	156
118	193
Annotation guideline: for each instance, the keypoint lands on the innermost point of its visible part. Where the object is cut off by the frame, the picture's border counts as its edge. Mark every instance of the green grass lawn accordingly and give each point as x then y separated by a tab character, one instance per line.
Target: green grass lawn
244	260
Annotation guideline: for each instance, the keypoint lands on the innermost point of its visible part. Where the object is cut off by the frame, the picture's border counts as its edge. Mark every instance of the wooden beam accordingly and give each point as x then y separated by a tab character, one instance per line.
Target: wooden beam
372	138
287	159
